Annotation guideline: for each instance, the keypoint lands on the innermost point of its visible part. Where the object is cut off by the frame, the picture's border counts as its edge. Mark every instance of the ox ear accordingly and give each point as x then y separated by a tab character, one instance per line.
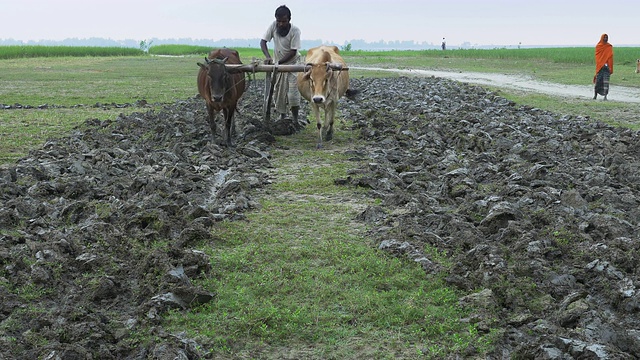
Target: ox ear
202	65
307	73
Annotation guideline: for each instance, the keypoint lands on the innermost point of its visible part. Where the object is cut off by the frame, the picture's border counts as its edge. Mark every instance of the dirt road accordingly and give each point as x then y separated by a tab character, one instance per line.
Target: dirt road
524	83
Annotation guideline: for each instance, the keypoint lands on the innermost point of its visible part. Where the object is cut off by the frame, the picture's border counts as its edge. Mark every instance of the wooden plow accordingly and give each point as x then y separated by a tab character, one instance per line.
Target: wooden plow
270	79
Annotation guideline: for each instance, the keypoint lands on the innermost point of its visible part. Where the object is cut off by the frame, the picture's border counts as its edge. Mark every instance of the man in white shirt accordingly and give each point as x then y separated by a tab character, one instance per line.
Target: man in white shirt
286	43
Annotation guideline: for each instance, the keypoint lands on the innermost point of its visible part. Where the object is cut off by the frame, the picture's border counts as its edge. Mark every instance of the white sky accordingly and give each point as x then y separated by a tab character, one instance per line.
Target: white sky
478	22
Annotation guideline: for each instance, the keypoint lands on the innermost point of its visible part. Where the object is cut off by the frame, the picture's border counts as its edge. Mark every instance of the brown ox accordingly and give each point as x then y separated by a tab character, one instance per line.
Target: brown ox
323	87
221	89
637	66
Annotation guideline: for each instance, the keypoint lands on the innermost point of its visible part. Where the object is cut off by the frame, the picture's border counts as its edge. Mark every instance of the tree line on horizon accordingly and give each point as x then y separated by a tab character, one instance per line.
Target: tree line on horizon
355	44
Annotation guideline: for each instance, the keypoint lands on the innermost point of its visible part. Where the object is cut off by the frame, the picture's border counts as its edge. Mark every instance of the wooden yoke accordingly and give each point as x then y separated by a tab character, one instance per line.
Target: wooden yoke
270	79
254	67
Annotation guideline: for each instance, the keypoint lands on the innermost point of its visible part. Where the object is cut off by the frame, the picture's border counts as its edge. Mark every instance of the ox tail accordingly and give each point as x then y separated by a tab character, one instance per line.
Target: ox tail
351	94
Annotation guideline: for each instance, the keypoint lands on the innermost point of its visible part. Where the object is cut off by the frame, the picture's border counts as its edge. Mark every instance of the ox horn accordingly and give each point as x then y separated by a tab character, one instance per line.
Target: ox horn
220	61
307	68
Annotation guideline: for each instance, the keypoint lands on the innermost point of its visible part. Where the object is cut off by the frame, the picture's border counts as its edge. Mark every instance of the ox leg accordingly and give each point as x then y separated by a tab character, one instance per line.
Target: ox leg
228	123
295	110
212	122
316	114
330	112
323	134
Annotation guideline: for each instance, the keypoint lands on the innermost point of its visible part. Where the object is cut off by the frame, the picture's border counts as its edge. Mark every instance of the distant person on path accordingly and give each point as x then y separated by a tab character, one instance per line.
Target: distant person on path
286	43
444	44
604	67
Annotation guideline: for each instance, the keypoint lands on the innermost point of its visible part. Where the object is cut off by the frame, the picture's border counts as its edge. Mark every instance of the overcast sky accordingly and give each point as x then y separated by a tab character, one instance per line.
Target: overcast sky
477	22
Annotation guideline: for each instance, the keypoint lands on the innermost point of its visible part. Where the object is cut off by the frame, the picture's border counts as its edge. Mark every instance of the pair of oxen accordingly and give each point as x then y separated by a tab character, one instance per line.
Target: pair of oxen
222	87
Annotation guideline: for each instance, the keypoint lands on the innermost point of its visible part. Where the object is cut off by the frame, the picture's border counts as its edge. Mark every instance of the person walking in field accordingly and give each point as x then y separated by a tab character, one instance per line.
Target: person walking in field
286	43
604	67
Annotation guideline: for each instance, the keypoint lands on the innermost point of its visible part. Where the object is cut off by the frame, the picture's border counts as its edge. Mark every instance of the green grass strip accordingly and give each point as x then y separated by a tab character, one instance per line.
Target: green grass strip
300	274
37	51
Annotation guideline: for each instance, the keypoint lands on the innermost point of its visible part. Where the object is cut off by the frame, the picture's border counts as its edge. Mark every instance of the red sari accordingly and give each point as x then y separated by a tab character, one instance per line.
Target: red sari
604	66
604	54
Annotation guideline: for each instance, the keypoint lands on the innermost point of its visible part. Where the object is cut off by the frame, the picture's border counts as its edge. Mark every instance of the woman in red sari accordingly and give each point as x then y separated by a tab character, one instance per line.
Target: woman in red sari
604	66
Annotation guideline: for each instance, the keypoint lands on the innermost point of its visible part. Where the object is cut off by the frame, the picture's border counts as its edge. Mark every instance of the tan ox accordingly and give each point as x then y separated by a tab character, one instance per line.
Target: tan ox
323	87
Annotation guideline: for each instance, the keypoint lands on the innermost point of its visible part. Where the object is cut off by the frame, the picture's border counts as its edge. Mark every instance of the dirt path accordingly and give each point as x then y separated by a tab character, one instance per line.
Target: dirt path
523	83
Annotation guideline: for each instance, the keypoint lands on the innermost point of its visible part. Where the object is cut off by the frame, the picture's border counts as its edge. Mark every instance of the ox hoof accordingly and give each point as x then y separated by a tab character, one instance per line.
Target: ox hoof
327	134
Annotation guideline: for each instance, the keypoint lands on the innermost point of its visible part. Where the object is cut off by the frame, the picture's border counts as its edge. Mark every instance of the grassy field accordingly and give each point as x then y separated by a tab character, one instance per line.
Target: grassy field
36	51
256	308
52	76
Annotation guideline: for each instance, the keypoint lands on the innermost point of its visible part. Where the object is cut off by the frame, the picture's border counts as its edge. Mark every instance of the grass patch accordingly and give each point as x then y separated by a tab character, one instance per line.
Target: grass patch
300	275
86	80
569	66
611	112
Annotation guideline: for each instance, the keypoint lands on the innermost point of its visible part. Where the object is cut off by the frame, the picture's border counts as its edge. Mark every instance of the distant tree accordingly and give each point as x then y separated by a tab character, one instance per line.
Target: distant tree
346	47
145	45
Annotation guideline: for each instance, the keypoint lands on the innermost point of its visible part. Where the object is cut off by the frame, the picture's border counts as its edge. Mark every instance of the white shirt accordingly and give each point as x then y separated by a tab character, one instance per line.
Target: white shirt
282	45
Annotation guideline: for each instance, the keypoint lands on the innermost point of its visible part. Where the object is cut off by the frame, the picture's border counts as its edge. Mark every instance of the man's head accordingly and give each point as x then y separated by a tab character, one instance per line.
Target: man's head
283	18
